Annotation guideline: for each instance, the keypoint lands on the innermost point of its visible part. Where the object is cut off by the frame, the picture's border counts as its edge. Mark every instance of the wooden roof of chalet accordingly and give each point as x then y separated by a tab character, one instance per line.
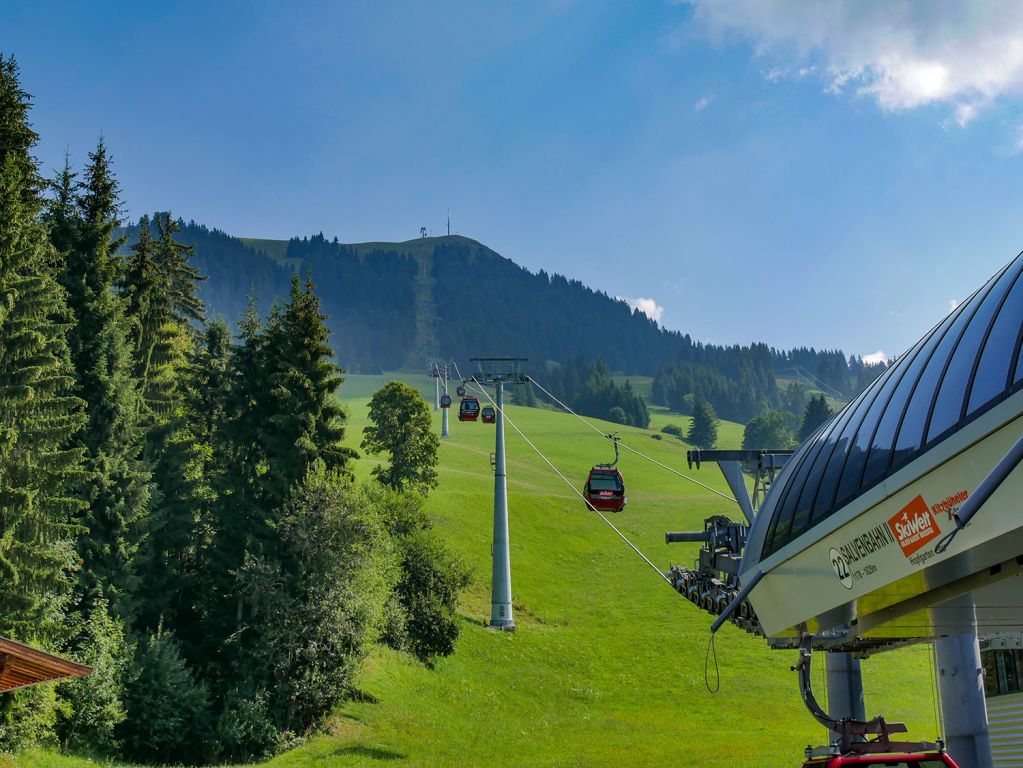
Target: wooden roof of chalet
22	665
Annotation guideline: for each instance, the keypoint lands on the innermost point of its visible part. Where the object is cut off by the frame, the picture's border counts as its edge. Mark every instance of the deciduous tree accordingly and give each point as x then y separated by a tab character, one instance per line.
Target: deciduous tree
402	427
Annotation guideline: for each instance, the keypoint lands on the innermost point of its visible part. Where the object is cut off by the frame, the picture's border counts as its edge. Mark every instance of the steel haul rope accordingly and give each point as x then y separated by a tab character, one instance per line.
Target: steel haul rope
480	388
628	448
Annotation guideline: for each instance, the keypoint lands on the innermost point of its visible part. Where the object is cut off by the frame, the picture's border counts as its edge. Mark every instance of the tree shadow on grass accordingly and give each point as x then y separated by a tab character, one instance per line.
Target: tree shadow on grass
372	753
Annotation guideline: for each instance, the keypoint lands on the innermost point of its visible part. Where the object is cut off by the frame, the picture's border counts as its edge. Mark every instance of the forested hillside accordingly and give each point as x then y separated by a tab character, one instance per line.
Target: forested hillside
393	305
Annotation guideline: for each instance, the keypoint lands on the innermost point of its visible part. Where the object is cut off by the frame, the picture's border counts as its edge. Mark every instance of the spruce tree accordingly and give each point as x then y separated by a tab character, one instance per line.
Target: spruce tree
283	416
817	412
238	515
38	411
703	431
118	494
304	420
164	313
206	409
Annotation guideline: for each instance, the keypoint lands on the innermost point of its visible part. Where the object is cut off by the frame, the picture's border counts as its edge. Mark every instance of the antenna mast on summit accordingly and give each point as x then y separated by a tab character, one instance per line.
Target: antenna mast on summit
449	222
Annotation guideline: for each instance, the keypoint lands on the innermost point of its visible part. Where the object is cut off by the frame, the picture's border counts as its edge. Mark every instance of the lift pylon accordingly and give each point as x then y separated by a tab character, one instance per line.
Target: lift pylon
500	371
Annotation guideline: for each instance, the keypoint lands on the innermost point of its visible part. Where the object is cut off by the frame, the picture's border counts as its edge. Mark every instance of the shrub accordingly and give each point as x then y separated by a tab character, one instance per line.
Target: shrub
315	607
674	430
245	730
428	586
93	708
27	717
167	709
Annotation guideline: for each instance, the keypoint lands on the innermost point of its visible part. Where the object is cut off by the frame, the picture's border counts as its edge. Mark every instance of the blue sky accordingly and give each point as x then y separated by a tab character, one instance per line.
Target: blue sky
832	177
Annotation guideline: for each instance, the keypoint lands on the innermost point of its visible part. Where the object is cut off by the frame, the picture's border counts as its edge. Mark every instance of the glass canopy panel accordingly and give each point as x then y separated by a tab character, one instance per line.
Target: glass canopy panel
948	406
824	504
813	484
849	485
882	444
992	377
911	432
781	518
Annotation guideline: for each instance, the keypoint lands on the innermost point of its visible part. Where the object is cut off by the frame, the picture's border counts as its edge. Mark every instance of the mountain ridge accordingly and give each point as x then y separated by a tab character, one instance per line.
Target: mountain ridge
396	305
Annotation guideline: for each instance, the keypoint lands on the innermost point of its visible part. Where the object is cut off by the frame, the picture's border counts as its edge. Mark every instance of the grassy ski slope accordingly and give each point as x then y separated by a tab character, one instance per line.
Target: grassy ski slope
608	664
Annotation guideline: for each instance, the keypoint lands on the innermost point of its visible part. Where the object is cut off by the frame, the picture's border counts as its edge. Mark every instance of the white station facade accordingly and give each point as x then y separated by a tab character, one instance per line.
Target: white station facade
846	537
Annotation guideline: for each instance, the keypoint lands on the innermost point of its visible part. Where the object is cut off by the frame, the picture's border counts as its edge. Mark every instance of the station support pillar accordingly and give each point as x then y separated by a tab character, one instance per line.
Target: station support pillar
501	594
436	393
845	687
963	708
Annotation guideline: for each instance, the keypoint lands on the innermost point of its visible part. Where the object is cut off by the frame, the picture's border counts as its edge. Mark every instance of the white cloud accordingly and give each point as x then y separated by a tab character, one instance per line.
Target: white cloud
902	53
952	304
648	307
702	103
875	357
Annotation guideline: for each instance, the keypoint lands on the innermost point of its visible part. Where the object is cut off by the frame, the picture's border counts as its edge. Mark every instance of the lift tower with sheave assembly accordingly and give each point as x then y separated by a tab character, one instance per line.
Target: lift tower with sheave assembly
500	371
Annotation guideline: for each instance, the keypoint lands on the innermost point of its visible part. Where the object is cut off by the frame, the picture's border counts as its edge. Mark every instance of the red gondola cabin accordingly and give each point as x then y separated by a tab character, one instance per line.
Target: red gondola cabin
605	489
469	410
488	414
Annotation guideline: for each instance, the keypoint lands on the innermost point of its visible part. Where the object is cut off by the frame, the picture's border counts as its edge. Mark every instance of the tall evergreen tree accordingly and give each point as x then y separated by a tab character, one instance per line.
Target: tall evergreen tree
118	494
703	431
304	421
38	471
164	312
817	412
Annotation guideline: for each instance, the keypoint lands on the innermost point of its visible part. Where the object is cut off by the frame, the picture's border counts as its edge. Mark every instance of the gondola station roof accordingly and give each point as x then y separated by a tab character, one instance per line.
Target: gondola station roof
870	493
22	666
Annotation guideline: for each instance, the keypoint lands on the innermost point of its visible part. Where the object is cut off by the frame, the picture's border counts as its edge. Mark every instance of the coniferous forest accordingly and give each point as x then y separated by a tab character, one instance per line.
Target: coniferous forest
178	507
452	297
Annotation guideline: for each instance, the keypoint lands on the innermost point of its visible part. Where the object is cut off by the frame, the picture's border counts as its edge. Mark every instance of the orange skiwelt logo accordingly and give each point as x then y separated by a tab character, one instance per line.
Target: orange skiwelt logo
914	526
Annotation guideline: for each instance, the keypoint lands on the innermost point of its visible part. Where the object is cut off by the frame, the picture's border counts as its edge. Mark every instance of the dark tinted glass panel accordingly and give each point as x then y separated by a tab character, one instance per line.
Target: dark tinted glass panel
993	370
793	527
857	458
779	522
823	506
810	488
911	432
883	443
949	404
1019	368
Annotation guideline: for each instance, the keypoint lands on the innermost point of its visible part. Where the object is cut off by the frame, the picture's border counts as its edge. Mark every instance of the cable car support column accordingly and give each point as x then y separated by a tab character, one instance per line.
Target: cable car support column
501	594
444	411
500	371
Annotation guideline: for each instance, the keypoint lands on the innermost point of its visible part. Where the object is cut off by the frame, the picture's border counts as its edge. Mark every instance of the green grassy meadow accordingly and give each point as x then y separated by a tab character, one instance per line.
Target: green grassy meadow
607	666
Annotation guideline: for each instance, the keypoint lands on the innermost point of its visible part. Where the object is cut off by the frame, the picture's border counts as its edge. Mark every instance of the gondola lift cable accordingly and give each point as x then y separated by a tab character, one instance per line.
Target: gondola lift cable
569	483
629	448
